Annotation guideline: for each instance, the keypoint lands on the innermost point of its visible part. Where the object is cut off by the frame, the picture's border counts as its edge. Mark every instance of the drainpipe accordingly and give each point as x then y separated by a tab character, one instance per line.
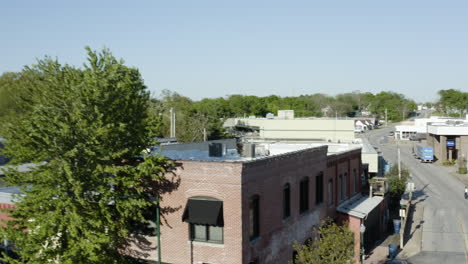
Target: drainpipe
158	232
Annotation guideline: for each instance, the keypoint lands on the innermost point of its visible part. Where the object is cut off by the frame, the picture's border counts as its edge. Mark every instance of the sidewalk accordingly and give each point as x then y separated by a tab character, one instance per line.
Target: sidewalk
413	238
413	235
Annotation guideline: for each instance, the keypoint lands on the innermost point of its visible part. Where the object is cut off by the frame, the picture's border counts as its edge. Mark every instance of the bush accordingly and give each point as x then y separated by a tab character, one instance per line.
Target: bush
397	185
333	244
462	170
448	162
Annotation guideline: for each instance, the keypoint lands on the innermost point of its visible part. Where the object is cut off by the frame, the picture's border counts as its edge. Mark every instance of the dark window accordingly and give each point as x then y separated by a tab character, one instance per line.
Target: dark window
340	190
254	217
354	180
331	201
205	218
304	195
345	186
255	261
286	201
319	188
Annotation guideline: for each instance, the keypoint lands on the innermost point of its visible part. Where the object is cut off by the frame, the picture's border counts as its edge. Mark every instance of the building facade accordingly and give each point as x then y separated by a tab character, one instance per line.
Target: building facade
252	210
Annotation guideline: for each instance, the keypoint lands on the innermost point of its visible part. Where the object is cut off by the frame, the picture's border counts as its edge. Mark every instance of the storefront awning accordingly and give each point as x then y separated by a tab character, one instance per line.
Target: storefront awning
360	206
204	212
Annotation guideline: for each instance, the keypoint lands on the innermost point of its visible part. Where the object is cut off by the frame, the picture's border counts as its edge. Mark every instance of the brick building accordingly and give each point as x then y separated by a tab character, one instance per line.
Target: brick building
251	208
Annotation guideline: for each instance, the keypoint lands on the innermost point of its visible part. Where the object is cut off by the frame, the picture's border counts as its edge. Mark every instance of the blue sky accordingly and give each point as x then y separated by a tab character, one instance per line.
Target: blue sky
215	48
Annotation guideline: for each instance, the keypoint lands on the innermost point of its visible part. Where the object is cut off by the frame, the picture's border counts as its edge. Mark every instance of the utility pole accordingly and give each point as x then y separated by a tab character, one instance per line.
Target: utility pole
399	162
204	134
386	119
172	116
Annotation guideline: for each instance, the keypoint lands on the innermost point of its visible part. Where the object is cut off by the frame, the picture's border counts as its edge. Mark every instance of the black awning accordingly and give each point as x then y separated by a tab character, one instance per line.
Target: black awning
204	212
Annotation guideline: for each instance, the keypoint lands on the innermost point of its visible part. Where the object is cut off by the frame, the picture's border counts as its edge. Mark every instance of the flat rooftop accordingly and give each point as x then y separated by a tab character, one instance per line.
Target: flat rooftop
448	129
199	151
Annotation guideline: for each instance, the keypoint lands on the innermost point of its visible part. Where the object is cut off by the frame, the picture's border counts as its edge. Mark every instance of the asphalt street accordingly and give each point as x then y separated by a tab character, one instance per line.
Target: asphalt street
445	220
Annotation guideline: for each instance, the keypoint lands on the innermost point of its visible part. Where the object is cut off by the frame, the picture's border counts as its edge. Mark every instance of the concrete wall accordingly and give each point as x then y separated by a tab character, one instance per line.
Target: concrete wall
462	146
373	160
316	129
439	143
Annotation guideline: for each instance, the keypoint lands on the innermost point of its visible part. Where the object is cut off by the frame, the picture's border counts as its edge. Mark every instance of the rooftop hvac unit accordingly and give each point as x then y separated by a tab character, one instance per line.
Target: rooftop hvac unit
286	114
215	150
248	150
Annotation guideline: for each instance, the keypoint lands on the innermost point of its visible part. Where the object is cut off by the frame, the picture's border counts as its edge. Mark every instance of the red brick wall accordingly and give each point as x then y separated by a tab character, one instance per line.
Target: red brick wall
4	216
235	183
221	180
340	164
266	178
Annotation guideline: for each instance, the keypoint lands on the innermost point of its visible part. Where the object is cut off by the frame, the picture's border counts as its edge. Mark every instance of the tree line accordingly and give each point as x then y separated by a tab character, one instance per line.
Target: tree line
452	102
193	118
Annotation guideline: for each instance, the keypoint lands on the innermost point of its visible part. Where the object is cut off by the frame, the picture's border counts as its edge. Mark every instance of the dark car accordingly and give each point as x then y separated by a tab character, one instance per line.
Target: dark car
395	261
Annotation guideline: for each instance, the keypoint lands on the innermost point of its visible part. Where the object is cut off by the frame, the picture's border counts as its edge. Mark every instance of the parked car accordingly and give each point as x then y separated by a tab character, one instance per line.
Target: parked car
395	261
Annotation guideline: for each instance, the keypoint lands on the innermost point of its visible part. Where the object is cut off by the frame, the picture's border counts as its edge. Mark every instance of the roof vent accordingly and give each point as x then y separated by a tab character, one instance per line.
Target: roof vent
248	151
215	150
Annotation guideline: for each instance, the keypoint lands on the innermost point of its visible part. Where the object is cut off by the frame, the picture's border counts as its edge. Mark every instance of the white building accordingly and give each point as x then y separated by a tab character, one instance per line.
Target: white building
419	126
286	126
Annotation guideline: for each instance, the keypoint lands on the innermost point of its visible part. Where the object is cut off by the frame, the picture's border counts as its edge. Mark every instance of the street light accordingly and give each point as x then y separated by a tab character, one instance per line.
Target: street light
363	229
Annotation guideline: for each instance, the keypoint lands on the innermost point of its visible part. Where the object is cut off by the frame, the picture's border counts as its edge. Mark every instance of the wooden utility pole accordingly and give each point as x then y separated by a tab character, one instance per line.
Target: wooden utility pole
172	117
386	118
399	163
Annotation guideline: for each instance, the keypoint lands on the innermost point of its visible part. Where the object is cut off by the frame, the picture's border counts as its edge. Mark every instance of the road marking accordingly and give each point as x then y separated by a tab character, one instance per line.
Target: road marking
464	237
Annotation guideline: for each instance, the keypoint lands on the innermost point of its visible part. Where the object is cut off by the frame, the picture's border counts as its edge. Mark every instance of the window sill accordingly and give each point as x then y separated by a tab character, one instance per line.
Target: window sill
254	241
210	244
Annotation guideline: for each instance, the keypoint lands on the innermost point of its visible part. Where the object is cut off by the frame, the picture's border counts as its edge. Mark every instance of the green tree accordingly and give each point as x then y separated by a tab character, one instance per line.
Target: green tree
397	106
334	244
397	185
88	129
453	102
13	88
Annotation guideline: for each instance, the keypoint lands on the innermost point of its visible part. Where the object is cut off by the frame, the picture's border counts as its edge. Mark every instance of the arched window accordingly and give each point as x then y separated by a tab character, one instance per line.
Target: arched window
286	201
254	217
205	218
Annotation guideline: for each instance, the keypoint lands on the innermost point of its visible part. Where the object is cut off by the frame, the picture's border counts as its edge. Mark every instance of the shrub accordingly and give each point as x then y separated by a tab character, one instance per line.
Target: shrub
448	162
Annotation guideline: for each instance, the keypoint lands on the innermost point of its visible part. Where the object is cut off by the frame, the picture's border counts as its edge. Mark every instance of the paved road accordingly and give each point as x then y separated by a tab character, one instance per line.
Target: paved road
445	221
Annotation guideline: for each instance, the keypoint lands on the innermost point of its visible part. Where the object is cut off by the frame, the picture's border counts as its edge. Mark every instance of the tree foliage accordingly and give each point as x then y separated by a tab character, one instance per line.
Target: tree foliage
397	106
397	185
453	102
88	129
334	244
